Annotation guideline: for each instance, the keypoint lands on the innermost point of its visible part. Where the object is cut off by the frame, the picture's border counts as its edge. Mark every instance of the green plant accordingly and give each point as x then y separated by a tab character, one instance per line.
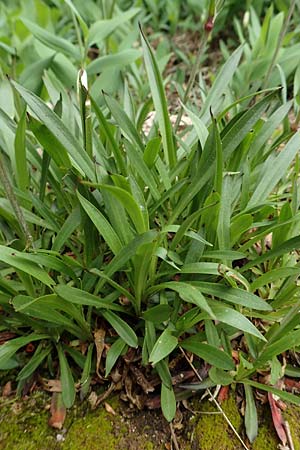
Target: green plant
147	234
270	50
44	45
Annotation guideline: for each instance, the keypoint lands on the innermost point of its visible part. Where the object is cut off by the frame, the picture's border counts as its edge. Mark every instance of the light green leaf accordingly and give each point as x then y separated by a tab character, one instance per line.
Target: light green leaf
103	28
164	345
273	170
102	224
59	130
160	102
168	402
80	297
52	40
22	174
234	318
122	58
21	261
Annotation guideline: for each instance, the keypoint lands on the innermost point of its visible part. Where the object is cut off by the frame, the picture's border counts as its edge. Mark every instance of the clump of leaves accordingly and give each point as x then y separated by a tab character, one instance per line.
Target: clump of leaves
145	244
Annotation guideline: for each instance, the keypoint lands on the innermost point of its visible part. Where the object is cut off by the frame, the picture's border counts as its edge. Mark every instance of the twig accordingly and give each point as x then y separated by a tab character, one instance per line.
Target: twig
280	40
174	438
288	435
216	402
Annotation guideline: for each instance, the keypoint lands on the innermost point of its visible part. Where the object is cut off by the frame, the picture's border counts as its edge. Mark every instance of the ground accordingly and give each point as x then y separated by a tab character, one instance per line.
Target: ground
24	426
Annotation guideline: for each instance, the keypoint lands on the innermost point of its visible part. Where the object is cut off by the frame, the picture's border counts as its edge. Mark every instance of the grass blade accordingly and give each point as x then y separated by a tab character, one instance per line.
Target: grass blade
160	102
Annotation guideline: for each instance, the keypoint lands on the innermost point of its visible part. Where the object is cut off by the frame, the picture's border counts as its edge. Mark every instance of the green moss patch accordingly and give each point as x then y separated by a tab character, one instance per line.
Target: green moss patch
24	426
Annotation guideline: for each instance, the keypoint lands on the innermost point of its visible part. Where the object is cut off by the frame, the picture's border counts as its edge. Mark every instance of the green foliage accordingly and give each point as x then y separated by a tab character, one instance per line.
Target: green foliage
95	209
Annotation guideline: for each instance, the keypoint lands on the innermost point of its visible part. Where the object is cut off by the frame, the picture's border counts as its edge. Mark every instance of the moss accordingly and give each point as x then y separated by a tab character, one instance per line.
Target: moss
211	428
24	425
91	433
267	438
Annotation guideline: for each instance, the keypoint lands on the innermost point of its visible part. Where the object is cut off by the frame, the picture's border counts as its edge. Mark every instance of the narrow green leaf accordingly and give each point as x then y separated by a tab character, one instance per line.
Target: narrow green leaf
168	402
164	345
160	102
69	226
288	246
52	40
228	255
273	170
234	295
235	135
117	152
151	151
103	28
285	396
19	260
208	353
113	354
219	376
122	58
34	362
102	224
251	422
187	292
221	82
122	328
134	210
10	348
234	318
86	373
66	378
129	251
287	342
80	297
22	175
159	313
59	130
274	275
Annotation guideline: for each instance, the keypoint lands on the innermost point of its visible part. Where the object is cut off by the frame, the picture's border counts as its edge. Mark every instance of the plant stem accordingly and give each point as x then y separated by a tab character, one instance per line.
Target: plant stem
195	70
279	42
14	203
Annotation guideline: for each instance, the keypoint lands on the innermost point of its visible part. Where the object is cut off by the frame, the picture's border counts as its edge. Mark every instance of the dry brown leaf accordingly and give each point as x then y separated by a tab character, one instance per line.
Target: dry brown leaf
141	380
99	338
109	409
6	336
292	385
6	391
223	394
57	411
92	399
278	420
105	394
53	386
